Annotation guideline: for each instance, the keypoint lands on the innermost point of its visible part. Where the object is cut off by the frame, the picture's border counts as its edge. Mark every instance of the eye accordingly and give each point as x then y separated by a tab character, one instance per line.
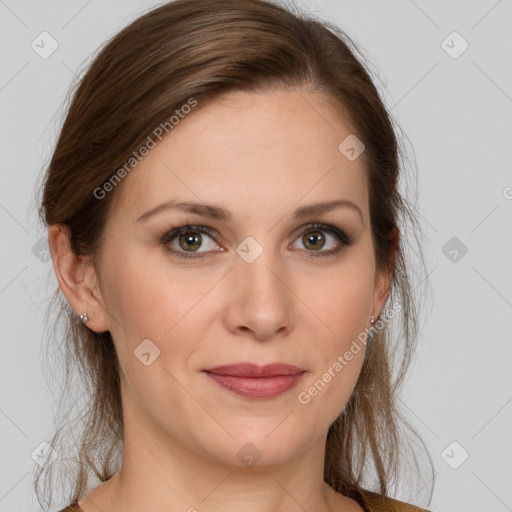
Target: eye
312	237
187	237
183	241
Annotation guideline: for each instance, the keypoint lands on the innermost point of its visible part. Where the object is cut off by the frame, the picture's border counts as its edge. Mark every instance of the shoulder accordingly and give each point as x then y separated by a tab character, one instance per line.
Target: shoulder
71	508
378	503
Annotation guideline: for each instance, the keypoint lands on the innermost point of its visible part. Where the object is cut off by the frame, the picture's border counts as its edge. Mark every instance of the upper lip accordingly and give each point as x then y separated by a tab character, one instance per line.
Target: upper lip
253	370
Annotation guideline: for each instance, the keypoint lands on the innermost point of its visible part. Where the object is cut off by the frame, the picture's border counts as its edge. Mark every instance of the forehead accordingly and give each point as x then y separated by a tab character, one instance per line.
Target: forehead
250	151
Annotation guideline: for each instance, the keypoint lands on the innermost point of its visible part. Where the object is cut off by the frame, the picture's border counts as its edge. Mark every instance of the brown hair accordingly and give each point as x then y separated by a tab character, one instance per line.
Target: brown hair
201	49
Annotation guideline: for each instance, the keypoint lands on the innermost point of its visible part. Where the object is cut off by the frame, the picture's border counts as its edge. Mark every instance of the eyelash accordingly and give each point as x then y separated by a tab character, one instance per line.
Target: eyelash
342	237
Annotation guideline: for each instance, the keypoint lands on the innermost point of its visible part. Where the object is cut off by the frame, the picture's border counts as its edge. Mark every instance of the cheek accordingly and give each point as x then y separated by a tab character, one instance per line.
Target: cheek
146	298
340	301
340	306
134	299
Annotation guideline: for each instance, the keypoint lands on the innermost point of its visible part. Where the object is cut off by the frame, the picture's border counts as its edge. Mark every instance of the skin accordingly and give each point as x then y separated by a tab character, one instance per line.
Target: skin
259	156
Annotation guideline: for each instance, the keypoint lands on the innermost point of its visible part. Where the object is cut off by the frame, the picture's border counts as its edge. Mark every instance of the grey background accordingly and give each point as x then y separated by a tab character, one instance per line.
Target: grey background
457	113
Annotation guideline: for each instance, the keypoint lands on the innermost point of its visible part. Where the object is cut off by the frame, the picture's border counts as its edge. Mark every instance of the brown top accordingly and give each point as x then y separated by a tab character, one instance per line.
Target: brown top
369	501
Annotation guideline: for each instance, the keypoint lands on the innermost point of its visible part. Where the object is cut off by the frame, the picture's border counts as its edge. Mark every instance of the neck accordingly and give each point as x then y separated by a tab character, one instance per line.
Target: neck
160	473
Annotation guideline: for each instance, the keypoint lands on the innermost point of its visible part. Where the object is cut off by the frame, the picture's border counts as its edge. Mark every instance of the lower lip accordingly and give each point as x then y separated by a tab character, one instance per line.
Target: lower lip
257	387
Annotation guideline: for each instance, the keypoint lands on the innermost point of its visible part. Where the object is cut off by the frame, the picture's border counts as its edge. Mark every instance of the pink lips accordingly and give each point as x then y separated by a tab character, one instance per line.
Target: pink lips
254	381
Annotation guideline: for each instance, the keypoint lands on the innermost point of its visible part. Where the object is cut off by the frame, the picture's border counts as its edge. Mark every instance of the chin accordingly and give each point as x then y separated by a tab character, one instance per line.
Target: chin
265	447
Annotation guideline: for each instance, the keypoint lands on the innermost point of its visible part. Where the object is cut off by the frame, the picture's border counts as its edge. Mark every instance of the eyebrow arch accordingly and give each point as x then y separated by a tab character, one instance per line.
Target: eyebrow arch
221	214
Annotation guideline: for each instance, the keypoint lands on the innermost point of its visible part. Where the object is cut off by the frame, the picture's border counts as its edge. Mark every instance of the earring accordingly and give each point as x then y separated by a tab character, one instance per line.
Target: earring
372	319
84	318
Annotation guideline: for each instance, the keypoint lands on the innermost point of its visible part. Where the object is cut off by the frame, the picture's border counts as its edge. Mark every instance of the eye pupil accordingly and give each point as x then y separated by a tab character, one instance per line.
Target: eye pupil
314	237
191	241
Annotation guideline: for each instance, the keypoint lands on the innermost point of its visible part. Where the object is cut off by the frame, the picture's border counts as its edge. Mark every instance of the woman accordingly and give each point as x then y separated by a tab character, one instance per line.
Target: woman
222	212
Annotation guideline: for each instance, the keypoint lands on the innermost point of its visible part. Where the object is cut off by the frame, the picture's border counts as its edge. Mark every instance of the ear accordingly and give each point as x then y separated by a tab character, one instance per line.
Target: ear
77	278
383	278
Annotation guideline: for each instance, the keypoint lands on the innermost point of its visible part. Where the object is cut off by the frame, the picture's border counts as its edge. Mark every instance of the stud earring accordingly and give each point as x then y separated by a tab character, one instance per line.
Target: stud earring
84	318
372	319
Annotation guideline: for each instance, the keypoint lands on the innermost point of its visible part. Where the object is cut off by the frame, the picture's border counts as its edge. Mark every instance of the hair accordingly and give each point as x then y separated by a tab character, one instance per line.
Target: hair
202	49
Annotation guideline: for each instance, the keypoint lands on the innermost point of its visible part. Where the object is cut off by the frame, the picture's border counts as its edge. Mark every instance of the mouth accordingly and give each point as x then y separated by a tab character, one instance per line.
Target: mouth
253	381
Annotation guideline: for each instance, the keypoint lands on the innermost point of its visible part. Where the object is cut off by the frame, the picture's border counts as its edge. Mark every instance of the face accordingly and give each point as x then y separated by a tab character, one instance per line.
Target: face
259	285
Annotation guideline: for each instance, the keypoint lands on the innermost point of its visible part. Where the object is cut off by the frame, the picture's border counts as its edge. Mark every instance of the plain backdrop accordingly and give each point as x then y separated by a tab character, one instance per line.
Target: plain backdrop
446	67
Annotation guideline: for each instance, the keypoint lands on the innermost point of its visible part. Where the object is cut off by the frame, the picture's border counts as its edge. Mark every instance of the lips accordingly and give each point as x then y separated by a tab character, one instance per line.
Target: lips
252	381
252	370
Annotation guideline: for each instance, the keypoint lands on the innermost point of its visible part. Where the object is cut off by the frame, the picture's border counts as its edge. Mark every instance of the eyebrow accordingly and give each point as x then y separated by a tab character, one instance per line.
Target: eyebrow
218	213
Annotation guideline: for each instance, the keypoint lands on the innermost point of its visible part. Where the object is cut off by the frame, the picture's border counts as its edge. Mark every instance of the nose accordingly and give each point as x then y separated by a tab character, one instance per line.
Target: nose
259	298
